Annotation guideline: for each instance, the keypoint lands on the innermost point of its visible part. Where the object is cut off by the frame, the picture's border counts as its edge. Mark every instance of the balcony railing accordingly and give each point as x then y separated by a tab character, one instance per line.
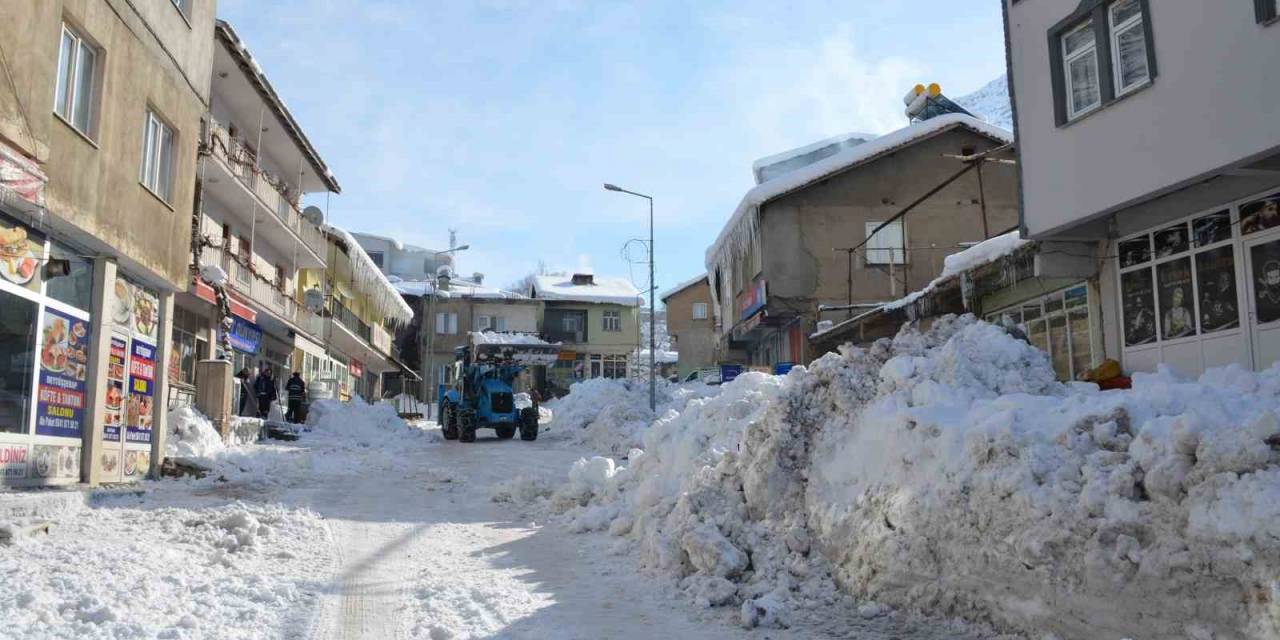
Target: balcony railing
242	163
351	321
263	293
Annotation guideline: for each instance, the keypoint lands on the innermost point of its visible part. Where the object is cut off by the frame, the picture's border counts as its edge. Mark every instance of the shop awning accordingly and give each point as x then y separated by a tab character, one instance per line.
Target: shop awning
22	182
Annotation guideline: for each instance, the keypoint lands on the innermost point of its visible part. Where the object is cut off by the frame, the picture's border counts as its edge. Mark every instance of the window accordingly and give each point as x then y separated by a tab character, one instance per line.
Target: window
74	97
1180	281
157	156
1058	324
1100	53
18	353
376	256
614	367
699	311
446	323
888	246
612	321
499	323
571	323
1128	46
1080	58
1267	10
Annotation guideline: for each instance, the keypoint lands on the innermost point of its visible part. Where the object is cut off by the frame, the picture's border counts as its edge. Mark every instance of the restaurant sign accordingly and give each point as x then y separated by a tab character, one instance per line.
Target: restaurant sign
751	300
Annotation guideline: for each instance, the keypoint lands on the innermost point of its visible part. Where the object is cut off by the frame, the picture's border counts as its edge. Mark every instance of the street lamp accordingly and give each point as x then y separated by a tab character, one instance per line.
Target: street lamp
430	320
653	309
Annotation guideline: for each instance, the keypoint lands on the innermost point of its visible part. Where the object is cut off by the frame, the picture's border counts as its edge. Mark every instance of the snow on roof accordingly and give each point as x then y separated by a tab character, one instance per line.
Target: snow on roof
368	277
603	290
843	141
240	50
737	230
398	245
457	289
702	277
991	102
984	252
496	337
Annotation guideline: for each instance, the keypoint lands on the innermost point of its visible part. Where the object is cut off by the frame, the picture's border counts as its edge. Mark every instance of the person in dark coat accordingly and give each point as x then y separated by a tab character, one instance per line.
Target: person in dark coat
265	388
245	393
296	390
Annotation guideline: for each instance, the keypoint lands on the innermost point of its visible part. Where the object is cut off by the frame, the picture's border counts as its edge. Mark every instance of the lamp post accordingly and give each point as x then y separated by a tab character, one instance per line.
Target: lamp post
431	319
653	309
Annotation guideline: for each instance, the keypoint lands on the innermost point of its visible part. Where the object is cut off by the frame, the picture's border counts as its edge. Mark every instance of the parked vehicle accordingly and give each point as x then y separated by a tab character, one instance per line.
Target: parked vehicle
480	395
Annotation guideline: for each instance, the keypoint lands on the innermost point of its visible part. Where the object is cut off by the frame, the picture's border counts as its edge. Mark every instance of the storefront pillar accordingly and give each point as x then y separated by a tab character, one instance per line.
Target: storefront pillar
104	277
160	410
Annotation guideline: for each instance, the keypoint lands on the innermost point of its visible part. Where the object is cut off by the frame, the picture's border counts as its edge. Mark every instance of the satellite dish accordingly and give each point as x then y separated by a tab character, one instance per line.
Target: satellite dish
314	215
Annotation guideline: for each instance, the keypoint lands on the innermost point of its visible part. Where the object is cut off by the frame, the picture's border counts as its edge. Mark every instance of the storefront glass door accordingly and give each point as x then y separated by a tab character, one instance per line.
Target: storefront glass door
1263	269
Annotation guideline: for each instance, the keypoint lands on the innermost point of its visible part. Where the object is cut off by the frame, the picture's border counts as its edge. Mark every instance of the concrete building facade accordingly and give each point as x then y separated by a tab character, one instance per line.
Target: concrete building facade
100	119
690	325
786	254
1157	155
596	321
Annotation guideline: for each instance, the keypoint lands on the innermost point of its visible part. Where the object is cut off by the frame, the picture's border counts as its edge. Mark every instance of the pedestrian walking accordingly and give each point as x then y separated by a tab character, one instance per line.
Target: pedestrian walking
265	388
245	392
296	390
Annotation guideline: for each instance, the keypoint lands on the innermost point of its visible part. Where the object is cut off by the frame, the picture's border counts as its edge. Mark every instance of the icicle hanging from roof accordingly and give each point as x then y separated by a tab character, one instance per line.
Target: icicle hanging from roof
370	280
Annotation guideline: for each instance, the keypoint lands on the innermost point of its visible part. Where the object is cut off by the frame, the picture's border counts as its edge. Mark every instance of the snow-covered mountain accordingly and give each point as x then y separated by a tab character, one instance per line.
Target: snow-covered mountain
991	102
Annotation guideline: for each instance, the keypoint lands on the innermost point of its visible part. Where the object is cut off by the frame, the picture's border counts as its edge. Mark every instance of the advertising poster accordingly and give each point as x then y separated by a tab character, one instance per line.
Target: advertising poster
136	464
20	254
1136	251
115	396
1216	278
142	376
1260	215
136	310
13	461
1177	319
55	462
1266	281
1213	228
64	357
1138	298
1172	240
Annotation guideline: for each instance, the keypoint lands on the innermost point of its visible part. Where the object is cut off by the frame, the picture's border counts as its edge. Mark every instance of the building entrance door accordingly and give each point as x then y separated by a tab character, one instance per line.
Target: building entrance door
1262	271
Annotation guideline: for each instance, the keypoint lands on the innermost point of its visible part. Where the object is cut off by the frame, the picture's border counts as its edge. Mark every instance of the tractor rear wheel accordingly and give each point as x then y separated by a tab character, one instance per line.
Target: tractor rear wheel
505	433
467	426
449	422
528	424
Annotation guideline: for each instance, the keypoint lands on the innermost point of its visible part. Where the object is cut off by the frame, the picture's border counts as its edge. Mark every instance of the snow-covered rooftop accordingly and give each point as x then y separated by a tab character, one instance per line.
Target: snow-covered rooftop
602	290
842	161
369	278
701	277
770	167
457	289
988	250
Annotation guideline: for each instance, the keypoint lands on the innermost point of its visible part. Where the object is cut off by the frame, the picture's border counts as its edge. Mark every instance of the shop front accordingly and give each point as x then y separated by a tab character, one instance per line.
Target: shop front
1203	291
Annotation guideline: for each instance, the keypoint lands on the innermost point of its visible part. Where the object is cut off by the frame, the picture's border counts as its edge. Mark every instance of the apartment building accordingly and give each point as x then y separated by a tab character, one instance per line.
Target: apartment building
401	260
862	225
690	325
596	321
100	120
1157	157
255	165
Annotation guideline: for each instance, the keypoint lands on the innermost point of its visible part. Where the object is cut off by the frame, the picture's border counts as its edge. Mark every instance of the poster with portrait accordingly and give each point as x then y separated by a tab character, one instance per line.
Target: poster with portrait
1210	229
64	358
1172	240
21	252
1135	251
1216	280
115	395
1261	214
138	406
1177	319
1138	299
1265	262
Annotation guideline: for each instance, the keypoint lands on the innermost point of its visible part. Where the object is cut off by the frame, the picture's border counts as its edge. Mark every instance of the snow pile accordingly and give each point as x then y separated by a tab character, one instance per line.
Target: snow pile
947	471
610	416
988	250
192	435
494	337
213	274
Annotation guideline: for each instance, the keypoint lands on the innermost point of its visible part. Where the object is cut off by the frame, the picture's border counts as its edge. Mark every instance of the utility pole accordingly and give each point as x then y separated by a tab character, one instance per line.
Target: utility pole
850	251
653	309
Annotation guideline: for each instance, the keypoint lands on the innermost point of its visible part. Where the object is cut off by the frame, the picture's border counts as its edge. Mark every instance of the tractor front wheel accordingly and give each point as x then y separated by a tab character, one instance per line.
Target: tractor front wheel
449	422
467	426
528	424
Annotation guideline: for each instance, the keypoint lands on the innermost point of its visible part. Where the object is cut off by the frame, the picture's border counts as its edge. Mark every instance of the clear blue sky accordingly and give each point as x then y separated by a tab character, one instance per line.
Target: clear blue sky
501	118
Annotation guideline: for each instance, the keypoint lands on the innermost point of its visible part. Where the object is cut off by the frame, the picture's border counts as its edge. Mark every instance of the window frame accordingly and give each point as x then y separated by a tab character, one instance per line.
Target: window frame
605	321
871	225
1266	11
149	171
1045	315
1097	13
700	306
1070	57
65	108
1138	20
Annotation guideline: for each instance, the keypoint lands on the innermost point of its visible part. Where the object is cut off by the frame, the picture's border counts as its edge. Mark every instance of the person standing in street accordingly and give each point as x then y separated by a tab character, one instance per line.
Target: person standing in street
245	393
265	388
296	389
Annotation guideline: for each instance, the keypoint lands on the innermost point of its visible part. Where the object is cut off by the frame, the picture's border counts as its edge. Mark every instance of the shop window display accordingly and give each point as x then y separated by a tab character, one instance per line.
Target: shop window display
17	361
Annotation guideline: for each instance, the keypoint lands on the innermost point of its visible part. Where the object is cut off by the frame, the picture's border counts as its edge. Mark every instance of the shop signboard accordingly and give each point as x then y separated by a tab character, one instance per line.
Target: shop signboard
244	335
751	300
113	418
64	357
729	371
142	376
782	368
356	368
13	461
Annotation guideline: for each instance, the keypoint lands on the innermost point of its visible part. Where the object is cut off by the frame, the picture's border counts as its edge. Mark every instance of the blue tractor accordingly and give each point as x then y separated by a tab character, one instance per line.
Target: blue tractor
480	394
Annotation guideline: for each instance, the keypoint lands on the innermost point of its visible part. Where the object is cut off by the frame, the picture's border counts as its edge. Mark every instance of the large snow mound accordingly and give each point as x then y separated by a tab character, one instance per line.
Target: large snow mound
946	471
611	416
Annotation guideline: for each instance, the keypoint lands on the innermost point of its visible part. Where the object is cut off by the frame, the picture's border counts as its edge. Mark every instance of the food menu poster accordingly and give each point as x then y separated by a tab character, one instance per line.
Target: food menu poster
21	251
142	380
135	310
64	356
115	396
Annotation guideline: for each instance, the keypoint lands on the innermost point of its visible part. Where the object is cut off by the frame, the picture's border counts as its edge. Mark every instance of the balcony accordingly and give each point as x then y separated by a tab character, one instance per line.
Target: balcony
351	321
282	222
263	294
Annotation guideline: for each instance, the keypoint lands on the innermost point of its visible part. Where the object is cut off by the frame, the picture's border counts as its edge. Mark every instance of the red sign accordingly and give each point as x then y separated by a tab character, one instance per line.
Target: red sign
140	368
356	368
21	176
751	300
205	292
